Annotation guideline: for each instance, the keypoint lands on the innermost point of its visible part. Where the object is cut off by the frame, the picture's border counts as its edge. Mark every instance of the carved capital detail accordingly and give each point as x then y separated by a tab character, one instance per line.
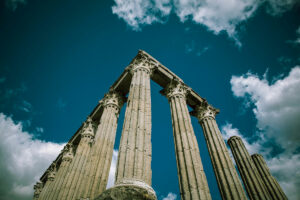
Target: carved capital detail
176	89
37	189
88	130
68	153
205	111
51	172
142	62
113	98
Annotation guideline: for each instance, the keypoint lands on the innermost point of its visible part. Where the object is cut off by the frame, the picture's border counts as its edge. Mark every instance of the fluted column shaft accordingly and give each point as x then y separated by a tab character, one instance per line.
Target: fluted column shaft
252	181
77	165
134	159
96	175
51	172
270	182
192	179
228	181
61	172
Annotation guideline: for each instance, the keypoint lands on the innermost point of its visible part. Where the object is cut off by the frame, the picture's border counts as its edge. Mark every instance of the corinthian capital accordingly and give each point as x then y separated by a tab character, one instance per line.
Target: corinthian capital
51	172
113	98
204	111
37	189
176	89
142	62
68	153
88	129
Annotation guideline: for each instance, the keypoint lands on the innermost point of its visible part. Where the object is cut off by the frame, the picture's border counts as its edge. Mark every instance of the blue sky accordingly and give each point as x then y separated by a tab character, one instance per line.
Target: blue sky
58	59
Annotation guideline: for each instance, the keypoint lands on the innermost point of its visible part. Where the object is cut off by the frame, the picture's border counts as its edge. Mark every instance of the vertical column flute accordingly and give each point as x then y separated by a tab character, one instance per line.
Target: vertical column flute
133	173
228	181
252	181
270	182
96	175
62	171
51	172
77	165
192	179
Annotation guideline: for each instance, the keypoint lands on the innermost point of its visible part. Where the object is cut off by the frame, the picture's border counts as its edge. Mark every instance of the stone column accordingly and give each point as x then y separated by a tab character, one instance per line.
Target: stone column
133	173
74	175
66	160
96	174
270	182
38	187
51	172
192	179
228	181
252	181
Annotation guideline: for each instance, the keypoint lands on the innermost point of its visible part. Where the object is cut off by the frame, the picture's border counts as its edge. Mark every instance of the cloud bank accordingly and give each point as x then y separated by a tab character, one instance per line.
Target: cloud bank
23	159
277	110
215	15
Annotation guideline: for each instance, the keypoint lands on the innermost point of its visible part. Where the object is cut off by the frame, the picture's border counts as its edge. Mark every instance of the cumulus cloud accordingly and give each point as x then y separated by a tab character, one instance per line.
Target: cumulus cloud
215	15
112	171
140	12
23	159
276	105
170	196
277	110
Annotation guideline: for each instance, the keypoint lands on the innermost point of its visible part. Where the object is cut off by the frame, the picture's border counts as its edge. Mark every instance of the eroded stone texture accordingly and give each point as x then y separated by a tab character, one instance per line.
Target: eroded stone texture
228	181
134	159
51	172
96	173
61	172
38	187
74	174
192	179
131	189
270	182
252	181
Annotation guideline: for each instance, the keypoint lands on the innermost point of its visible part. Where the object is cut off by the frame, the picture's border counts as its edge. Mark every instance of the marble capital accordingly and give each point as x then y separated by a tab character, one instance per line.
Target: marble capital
113	98
204	111
68	153
51	172
175	89
88	129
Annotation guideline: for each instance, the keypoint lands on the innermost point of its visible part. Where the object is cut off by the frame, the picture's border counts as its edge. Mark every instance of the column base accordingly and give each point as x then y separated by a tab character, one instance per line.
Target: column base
128	189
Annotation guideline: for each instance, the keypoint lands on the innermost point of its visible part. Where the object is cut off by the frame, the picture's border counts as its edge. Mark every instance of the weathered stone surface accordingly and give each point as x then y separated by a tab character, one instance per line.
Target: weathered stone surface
270	182
228	181
253	183
129	190
192	179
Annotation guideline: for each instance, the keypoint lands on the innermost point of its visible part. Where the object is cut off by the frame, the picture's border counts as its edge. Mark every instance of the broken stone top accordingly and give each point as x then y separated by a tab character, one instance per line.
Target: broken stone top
176	89
234	138
205	111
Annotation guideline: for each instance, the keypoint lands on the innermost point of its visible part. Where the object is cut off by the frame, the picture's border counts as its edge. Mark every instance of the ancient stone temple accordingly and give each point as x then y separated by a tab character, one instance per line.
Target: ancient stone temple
80	172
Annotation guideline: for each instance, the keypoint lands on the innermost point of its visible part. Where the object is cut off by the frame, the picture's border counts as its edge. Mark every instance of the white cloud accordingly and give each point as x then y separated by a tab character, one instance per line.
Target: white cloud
139	12
215	15
277	107
112	171
23	159
277	110
170	196
228	131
